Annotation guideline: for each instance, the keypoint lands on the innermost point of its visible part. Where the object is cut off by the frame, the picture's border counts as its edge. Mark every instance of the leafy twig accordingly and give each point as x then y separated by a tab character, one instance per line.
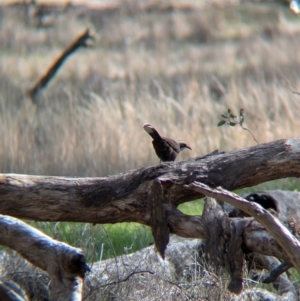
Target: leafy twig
233	120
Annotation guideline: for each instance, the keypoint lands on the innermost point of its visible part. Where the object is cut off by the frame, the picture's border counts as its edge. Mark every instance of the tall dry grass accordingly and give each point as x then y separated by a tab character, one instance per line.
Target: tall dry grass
176	70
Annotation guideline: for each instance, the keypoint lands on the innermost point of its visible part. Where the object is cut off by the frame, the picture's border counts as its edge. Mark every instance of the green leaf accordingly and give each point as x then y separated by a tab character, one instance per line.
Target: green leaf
232	123
224	116
221	122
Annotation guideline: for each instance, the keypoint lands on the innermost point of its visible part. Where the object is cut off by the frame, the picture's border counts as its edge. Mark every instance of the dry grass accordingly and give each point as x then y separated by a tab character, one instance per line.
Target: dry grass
174	70
183	275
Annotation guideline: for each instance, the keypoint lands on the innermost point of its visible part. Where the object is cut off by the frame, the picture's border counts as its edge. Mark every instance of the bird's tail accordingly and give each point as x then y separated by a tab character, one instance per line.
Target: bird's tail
151	131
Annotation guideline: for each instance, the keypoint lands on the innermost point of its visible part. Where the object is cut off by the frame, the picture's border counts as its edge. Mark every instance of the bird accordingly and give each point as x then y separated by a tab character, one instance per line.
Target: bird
166	149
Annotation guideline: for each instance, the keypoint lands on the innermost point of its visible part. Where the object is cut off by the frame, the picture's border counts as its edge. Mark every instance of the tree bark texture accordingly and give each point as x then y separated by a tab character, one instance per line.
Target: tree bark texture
284	238
123	197
126	197
64	264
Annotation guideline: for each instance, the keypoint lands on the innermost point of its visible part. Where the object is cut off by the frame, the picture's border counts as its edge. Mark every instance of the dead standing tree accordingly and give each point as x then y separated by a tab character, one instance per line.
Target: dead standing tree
150	196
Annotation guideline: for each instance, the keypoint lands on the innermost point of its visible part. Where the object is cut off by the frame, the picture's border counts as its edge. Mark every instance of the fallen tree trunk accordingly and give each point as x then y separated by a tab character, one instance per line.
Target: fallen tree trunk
150	196
64	264
123	197
184	274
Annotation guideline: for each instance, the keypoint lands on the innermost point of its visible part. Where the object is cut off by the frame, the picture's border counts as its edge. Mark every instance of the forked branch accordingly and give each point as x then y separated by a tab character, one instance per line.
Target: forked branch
282	235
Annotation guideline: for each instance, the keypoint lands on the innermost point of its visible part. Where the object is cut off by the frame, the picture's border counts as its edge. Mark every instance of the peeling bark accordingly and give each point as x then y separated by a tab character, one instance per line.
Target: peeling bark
64	264
158	221
285	239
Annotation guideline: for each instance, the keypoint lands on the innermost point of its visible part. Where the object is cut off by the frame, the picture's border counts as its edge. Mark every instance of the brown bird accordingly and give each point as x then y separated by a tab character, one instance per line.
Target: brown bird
166	149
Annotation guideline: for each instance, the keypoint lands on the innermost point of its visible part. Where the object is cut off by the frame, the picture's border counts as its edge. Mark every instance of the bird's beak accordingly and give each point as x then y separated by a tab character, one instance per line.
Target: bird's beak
183	145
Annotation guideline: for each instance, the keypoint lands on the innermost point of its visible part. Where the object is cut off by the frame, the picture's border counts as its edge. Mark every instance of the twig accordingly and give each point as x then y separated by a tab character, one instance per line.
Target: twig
233	120
290	88
126	278
275	273
250	133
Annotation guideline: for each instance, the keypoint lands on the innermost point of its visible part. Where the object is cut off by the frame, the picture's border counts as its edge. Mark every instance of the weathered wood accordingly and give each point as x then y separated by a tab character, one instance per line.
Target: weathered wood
217	228
223	245
282	235
123	197
10	291
64	264
255	236
158	221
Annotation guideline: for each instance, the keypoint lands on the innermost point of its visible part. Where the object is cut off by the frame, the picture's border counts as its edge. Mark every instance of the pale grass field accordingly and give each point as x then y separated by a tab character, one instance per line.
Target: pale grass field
177	72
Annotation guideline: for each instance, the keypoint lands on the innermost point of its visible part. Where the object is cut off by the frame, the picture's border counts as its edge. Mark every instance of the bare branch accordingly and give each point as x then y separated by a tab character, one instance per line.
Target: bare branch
287	84
250	133
80	41
281	234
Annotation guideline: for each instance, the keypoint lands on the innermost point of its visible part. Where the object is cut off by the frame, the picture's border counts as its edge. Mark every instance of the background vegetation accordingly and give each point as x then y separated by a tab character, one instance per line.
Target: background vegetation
178	69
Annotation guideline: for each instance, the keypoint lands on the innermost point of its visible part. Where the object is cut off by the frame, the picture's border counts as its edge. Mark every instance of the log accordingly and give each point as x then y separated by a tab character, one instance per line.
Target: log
124	197
65	265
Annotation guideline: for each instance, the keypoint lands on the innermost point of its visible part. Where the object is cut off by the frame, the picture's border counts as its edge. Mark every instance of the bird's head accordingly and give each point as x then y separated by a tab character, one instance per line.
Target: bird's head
183	145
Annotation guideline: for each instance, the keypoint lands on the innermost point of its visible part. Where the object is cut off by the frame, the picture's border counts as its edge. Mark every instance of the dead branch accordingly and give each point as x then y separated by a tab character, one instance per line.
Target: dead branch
179	254
285	288
80	41
289	87
64	264
224	243
281	234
